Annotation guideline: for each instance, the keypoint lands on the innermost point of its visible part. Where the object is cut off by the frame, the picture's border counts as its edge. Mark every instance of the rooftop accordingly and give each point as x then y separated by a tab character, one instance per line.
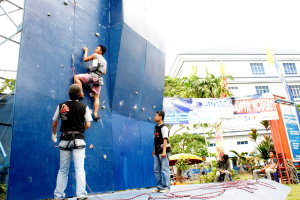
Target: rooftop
239	51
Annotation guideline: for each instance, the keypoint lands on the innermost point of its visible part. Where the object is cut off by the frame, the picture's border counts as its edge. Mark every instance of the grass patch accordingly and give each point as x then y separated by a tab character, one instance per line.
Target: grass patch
294	193
244	177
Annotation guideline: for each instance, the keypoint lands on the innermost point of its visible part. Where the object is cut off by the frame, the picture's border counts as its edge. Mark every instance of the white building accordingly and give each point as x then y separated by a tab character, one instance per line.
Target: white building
252	74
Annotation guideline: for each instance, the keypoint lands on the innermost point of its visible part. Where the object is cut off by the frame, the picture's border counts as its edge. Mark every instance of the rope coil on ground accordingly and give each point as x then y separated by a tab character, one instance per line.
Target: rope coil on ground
248	186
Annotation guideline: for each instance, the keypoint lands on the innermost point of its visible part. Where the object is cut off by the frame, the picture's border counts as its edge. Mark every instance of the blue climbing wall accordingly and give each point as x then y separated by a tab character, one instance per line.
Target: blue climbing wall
122	140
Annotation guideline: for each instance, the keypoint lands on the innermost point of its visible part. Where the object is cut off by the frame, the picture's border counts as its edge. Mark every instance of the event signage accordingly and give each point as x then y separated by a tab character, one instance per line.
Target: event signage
292	129
196	110
255	107
212	110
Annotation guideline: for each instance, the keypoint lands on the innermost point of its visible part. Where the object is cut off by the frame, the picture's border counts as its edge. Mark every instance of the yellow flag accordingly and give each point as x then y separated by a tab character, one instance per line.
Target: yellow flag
270	57
222	67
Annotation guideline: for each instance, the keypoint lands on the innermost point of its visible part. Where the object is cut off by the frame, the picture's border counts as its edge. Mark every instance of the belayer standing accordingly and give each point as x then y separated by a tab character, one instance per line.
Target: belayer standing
94	78
75	119
161	153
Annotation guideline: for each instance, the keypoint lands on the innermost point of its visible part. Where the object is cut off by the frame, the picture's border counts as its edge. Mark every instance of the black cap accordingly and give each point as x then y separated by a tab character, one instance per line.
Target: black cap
161	113
74	89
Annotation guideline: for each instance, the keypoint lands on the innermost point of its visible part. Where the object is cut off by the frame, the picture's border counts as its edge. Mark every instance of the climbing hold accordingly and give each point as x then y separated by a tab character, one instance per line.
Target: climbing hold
104	157
97	34
103	107
66	2
62	66
143	109
149	118
154	106
49	14
29	179
91	146
136	93
135	107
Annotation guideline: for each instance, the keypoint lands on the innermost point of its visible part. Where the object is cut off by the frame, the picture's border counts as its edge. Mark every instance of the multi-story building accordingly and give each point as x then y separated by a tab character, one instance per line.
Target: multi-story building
252	74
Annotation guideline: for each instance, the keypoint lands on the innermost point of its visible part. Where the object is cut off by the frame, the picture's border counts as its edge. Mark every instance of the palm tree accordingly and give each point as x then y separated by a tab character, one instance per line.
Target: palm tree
253	134
174	87
242	159
207	87
196	87
266	124
265	146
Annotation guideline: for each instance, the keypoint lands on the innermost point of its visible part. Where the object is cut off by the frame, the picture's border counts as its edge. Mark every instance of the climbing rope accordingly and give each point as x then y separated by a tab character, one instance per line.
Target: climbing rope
292	171
248	186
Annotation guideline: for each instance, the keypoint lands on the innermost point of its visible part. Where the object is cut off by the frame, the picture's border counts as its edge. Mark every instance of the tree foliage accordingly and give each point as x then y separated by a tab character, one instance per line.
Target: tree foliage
265	146
242	157
7	83
189	143
196	87
253	134
265	124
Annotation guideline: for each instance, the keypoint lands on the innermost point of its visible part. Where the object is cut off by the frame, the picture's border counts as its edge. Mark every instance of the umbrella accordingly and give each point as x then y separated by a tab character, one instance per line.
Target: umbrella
193	159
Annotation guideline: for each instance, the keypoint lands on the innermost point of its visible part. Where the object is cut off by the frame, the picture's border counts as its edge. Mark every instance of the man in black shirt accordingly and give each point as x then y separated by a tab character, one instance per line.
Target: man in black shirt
75	119
161	153
223	167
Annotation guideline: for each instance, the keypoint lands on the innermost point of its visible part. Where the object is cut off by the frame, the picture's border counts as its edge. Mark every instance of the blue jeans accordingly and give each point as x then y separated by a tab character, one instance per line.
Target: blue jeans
162	172
64	165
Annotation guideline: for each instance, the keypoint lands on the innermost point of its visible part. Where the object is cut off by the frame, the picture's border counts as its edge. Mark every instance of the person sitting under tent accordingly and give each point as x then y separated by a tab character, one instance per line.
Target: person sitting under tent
223	167
94	78
270	167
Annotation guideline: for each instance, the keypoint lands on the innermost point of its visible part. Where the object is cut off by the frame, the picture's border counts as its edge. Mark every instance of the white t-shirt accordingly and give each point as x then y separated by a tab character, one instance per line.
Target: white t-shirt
165	132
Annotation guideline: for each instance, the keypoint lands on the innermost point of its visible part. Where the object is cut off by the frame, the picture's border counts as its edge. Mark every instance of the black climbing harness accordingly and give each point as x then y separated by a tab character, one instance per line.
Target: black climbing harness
73	138
95	76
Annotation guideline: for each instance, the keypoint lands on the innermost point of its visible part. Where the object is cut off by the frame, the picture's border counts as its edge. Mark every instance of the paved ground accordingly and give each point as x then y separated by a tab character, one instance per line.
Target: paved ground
237	190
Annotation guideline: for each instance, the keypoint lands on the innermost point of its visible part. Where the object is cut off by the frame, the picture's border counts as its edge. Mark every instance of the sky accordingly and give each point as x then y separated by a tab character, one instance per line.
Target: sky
193	25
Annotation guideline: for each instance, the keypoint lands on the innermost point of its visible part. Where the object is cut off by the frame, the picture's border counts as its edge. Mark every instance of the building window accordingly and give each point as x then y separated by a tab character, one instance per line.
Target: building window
257	68
262	89
212	145
233	88
241	142
289	68
295	90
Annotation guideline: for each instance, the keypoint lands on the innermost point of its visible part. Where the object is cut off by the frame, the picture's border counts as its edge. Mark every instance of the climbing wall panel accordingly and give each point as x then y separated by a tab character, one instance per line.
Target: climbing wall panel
118	153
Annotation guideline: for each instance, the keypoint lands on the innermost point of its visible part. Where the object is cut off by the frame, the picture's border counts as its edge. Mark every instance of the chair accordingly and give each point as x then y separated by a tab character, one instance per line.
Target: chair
275	176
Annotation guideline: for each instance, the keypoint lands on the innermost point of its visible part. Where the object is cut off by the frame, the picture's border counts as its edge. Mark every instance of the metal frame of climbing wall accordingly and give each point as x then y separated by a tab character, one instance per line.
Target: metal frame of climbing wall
8	10
53	31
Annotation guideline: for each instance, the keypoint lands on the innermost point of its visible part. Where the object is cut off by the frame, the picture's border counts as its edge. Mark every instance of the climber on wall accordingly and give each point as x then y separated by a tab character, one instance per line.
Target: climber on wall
94	77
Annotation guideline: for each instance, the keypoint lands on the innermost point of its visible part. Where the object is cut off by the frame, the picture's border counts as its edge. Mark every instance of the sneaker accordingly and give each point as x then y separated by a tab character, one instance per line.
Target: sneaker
164	191
156	191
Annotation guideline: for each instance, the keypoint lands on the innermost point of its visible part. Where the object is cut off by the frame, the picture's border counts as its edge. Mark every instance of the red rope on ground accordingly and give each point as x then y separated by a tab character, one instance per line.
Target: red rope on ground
248	186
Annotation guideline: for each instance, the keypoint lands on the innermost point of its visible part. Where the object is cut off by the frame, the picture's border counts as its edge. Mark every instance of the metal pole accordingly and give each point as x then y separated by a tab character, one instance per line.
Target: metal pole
8	16
9	38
